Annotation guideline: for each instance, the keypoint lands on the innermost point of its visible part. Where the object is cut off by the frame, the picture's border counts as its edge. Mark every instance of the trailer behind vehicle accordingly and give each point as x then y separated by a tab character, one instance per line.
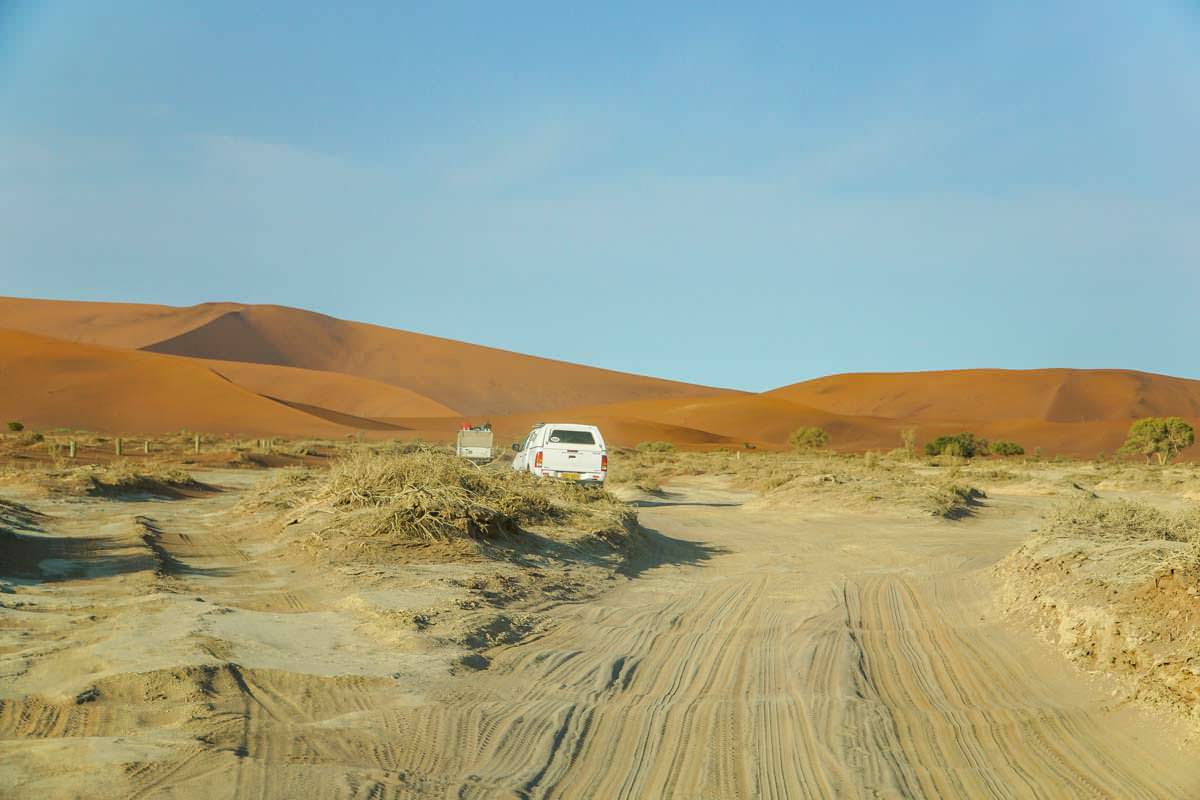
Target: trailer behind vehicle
475	444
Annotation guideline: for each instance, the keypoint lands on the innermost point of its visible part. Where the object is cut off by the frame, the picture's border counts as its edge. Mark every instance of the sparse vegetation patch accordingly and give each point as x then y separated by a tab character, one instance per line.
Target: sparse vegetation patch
808	439
390	498
963	445
112	480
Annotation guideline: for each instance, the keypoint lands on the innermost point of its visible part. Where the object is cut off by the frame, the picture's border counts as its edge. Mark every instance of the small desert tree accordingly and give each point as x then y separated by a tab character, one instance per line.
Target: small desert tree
1157	437
1006	449
966	445
16	427
804	439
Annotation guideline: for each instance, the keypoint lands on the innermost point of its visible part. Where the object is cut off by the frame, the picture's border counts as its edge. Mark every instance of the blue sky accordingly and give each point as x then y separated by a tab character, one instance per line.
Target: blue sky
743	195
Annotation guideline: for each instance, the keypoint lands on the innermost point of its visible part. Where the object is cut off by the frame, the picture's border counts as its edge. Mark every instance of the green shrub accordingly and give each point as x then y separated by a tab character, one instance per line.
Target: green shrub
655	447
16	427
809	438
966	445
1006	449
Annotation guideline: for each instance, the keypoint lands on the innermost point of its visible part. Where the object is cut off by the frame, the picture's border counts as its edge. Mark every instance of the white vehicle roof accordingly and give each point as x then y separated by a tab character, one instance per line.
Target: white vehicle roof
569	426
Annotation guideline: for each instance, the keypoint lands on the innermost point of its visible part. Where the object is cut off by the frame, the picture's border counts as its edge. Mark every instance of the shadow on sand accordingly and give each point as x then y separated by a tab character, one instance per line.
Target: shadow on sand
30	554
668	503
640	550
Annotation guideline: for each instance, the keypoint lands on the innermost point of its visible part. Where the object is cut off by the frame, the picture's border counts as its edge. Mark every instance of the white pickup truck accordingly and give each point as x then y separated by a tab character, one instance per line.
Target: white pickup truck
564	450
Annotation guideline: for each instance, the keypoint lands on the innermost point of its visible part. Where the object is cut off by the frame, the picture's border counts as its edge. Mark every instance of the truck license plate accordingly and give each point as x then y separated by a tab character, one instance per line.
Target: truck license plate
569	476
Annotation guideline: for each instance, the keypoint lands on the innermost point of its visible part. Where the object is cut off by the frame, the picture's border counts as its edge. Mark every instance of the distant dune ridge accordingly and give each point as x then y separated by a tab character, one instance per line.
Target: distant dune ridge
1050	395
272	370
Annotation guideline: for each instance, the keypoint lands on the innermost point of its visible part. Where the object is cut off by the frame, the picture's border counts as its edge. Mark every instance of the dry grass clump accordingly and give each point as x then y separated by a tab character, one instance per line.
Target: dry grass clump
289	487
871	480
1122	519
117	479
430	495
647	468
1175	478
876	483
950	500
993	474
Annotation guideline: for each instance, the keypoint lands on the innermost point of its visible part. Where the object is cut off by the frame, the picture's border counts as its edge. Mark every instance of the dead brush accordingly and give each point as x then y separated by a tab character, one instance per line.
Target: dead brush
110	480
1127	542
951	500
873	483
430	495
1122	519
647	468
289	487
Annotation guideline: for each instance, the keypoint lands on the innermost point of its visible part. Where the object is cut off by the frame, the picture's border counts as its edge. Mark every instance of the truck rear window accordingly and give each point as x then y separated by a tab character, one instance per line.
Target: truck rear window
572	437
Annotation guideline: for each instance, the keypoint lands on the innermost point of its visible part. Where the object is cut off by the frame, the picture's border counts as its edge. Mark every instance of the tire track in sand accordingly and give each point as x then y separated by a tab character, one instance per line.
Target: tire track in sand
755	678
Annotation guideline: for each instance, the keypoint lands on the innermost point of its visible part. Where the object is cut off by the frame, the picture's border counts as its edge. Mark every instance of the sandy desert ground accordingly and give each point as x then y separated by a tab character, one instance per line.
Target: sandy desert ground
813	646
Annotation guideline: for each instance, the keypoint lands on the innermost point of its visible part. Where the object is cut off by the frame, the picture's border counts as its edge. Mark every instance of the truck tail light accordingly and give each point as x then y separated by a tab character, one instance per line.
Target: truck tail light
537	459
604	463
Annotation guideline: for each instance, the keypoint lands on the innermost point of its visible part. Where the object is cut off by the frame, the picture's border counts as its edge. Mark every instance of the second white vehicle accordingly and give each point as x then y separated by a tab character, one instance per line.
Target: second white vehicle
564	450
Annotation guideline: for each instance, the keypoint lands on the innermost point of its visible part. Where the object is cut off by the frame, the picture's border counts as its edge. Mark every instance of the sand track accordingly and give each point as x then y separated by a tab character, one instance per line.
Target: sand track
797	655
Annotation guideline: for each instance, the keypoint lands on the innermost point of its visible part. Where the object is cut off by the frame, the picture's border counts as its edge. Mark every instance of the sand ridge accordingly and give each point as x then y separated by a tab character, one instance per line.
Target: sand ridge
470	378
1045	395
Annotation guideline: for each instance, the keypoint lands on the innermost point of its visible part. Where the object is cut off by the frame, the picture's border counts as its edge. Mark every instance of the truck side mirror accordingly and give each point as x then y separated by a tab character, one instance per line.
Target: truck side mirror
516	448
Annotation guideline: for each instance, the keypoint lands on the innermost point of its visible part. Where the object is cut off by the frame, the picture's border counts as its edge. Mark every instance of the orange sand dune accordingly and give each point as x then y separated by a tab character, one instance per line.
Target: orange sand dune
51	383
332	376
758	419
333	391
1050	395
470	378
114	324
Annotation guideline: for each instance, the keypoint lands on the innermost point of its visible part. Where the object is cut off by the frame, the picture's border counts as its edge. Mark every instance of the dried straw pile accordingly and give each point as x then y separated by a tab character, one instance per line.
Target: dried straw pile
429	495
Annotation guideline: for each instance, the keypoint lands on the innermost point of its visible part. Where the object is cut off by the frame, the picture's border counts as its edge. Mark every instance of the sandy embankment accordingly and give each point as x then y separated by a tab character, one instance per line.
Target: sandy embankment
1119	607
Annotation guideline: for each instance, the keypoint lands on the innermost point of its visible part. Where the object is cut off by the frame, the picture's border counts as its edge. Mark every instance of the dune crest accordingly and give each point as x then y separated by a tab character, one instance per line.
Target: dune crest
472	379
1050	395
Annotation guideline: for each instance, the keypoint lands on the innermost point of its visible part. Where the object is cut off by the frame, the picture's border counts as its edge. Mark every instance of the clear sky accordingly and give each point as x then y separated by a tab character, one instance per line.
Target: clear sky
744	195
